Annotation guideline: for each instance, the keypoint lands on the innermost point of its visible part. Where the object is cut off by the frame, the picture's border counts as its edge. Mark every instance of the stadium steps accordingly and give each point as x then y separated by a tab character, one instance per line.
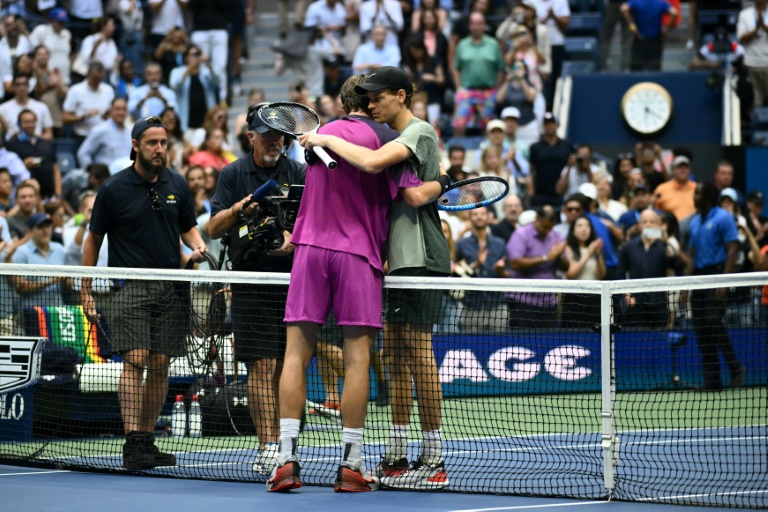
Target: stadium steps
258	70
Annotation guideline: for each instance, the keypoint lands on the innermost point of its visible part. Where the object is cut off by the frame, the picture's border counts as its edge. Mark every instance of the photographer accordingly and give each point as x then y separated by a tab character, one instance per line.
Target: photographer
152	98
257	311
579	170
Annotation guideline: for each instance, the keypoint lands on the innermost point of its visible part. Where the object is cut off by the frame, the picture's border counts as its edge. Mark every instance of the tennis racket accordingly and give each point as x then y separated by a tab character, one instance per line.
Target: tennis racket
294	119
473	193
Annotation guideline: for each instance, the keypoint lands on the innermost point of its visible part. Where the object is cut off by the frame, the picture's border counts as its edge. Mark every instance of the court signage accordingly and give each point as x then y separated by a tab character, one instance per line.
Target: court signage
11	407
471	365
20	360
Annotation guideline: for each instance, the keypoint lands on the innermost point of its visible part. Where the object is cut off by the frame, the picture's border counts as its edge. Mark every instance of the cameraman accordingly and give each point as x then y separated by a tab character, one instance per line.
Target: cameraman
578	171
258	311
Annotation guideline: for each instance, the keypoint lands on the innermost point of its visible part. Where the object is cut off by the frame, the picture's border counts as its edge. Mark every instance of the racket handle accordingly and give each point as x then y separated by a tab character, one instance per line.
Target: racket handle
325	157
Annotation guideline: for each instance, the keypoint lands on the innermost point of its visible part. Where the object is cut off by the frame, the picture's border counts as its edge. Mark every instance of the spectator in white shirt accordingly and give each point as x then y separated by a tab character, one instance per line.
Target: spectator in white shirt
166	15
57	39
109	140
578	171
88	101
752	32
328	14
16	42
376	53
556	15
381	12
100	46
10	110
151	98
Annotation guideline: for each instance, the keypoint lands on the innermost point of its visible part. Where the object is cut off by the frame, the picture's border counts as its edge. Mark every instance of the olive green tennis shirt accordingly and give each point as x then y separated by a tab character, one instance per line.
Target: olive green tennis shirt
415	234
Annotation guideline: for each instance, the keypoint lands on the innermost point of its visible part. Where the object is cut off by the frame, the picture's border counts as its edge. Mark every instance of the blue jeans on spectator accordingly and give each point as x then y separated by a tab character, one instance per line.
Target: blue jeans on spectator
132	48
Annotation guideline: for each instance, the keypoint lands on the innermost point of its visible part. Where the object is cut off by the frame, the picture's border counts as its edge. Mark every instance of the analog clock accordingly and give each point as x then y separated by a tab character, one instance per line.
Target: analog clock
647	108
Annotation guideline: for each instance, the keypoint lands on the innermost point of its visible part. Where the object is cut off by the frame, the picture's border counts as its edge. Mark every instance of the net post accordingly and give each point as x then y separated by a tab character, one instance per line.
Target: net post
609	441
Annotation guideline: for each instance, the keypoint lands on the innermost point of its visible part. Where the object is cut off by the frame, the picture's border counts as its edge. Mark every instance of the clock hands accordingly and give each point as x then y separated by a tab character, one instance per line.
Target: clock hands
654	114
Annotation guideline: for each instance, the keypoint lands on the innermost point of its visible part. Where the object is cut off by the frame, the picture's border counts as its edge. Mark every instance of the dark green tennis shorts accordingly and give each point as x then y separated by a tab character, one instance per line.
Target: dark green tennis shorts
414	306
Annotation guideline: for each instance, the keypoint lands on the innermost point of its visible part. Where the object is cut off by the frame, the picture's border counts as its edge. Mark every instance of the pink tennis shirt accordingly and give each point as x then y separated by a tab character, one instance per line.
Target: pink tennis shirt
346	209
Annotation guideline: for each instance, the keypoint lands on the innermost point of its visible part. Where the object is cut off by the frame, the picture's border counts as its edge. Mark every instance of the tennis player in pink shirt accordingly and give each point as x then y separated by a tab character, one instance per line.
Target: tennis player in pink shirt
340	236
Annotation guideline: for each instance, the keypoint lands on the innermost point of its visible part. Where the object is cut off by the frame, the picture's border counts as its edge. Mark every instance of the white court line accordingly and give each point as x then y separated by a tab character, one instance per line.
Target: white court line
531	507
703	495
696	440
37	472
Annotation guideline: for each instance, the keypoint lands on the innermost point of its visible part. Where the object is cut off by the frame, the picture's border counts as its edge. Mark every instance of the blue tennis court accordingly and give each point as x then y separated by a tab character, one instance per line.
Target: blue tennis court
649	468
32	489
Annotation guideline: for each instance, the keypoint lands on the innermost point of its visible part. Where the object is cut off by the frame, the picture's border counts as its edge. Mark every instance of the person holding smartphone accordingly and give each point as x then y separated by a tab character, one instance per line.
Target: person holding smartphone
647	256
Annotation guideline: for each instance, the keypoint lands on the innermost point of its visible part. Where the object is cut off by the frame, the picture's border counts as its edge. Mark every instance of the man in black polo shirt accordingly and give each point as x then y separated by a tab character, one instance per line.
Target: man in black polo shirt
258	311
144	209
647	256
548	158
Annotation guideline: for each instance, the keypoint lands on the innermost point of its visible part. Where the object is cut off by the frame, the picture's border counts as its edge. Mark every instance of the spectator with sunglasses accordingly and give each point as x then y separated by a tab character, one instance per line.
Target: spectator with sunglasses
146	317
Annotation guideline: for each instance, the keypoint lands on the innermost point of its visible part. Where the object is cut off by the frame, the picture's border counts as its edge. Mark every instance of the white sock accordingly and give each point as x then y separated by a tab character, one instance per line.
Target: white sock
397	444
432	449
353	443
289	436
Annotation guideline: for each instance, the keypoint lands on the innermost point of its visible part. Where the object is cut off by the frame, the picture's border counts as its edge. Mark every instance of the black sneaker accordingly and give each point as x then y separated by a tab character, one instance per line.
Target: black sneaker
160	458
135	456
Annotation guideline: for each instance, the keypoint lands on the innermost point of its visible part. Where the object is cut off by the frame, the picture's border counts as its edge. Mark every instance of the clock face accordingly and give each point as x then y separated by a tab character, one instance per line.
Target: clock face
647	108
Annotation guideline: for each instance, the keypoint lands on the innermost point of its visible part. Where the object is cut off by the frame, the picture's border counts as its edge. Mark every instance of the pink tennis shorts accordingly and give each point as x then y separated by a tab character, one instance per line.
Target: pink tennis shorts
322	278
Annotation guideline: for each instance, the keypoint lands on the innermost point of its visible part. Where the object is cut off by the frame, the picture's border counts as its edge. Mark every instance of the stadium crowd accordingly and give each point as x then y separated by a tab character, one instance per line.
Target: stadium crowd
76	79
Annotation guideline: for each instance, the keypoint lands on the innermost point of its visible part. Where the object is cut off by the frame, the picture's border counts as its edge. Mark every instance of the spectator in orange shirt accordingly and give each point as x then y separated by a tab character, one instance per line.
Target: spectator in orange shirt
676	195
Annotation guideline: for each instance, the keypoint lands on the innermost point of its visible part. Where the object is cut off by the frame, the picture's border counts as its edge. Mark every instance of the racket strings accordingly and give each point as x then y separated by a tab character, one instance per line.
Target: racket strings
295	119
474	193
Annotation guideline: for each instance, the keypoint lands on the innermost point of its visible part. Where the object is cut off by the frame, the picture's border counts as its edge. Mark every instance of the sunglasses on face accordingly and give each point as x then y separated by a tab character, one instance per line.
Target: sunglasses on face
573	209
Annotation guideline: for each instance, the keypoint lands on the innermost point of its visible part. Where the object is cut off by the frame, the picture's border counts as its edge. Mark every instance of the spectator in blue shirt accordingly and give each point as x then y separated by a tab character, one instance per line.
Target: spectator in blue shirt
714	246
39	250
376	53
487	254
151	98
644	18
108	141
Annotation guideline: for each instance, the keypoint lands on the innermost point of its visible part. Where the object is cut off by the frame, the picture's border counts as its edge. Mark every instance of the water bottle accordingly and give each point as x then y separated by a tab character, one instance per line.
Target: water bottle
179	418
195	418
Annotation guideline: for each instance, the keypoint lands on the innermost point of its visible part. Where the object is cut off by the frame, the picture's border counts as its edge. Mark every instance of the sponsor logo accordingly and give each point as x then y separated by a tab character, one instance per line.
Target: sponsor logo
19	362
514	364
11	407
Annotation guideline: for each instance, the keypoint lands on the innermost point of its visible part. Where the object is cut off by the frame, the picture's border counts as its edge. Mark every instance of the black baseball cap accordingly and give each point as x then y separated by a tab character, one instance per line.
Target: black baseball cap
756	196
386	77
254	121
143	125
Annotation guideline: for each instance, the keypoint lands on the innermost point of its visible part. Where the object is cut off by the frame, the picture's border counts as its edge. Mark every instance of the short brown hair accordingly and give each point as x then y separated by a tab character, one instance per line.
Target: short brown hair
350	100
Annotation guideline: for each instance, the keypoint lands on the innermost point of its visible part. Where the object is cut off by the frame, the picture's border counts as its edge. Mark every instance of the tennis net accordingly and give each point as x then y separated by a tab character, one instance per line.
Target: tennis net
552	388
